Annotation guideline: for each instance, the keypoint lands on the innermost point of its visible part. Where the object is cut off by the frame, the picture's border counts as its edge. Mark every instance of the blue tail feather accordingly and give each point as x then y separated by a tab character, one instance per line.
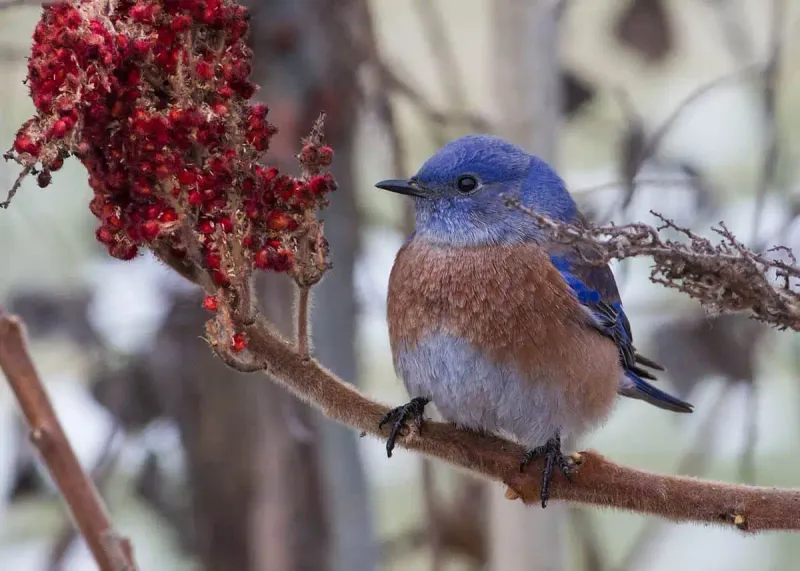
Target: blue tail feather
636	387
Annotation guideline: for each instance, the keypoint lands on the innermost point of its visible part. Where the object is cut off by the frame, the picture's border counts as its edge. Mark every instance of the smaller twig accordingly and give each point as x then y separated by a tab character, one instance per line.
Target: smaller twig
747	464
643	146
302	321
656	138
769	96
17	183
434	532
432	23
616	184
739	43
111	551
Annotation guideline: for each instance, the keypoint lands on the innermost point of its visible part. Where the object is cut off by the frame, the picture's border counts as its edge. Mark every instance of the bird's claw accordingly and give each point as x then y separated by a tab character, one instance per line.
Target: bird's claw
400	416
551	451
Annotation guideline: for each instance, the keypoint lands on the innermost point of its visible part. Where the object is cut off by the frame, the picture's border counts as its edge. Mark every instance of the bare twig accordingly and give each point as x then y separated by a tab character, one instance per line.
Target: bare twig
642	146
385	112
770	95
111	551
361	45
15	187
432	23
739	43
661	183
747	464
657	137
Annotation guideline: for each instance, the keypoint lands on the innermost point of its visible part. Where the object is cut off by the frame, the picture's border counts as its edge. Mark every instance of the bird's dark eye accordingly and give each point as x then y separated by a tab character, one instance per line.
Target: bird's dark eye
466	183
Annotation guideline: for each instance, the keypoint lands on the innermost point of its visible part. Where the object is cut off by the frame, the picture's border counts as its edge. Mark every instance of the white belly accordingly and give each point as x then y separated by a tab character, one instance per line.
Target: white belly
471	391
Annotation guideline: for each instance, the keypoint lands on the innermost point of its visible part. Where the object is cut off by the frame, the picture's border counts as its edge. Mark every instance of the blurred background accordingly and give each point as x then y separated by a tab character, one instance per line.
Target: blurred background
685	107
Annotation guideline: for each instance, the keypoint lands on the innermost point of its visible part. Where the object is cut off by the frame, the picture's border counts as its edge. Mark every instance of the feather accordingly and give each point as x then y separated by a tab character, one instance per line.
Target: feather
596	289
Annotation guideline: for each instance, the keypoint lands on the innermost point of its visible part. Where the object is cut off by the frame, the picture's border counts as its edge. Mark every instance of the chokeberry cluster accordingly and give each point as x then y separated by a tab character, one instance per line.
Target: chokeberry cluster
153	97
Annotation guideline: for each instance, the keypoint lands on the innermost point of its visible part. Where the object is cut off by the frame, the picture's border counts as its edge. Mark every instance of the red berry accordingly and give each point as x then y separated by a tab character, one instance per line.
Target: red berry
205	227
195	198
210	303
278	220
262	260
251	210
57	163
226	223
24	144
283	261
168	215
104	235
60	129
204	70
239	342
150	230
213	261
220	278
187	177
44	178
123	250
325	156
180	23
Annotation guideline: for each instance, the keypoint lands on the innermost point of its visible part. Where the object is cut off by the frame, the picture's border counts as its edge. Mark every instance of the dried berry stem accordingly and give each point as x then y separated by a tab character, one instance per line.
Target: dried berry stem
725	276
303	295
111	551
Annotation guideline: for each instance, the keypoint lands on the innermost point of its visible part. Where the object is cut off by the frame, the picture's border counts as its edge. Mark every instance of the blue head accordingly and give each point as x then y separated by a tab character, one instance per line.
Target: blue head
459	193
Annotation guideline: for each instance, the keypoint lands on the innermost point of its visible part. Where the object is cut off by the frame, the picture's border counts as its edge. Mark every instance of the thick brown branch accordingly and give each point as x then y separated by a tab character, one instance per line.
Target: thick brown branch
111	551
303	294
598	481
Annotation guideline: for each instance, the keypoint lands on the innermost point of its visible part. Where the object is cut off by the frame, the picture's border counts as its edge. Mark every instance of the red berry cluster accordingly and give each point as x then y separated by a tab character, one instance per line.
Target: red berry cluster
152	97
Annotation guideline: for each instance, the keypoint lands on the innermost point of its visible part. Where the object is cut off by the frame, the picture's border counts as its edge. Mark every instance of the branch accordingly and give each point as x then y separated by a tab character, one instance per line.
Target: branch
15	187
302	321
111	551
641	147
597	481
100	474
769	95
724	277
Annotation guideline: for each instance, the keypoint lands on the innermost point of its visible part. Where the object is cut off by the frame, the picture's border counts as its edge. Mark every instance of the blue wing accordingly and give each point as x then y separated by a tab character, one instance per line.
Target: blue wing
596	289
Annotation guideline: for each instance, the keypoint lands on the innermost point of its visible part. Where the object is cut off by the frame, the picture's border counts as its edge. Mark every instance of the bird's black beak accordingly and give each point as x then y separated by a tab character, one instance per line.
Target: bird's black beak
403	186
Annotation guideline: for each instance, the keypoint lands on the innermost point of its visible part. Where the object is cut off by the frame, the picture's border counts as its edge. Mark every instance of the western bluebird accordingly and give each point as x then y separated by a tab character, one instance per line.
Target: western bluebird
505	331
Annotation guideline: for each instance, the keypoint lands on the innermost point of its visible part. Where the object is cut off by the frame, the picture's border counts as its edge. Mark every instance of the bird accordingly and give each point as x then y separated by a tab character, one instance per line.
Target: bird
505	331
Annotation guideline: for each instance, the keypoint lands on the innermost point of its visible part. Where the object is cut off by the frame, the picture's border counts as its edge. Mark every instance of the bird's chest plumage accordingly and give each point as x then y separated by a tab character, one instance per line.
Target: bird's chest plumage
489	334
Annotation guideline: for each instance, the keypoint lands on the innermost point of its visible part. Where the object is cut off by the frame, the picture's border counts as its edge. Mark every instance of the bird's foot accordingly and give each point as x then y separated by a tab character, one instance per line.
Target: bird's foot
400	416
551	451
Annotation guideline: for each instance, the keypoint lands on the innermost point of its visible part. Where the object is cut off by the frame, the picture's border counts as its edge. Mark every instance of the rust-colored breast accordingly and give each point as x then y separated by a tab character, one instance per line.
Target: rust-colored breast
509	301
